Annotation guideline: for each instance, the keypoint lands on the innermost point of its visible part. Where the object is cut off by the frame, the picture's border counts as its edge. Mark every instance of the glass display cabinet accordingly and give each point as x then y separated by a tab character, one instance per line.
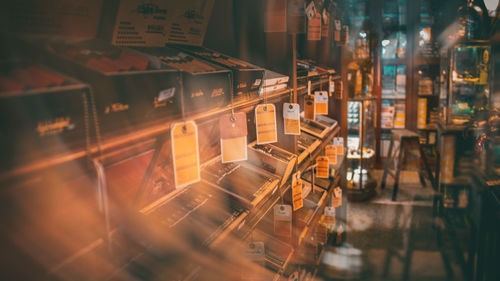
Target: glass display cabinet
468	80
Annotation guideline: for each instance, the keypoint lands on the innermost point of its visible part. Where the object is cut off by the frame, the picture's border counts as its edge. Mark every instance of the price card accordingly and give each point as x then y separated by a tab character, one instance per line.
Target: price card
283	220
233	137
337	197
265	121
321	102
314	28
297	200
185	153
338	28
291	115
339	143
322	169
331	153
309	107
331	86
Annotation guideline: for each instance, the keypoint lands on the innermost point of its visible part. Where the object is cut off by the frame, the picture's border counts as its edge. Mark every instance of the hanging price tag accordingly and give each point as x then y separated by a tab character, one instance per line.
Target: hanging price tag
331	87
321	102
322	169
265	120
338	29
331	153
283	220
291	115
255	252
339	143
297	200
325	23
185	153
314	28
309	107
233	137
330	217
337	197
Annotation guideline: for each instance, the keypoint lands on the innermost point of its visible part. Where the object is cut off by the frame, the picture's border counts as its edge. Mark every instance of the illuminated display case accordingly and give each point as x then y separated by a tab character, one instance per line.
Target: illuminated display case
468	88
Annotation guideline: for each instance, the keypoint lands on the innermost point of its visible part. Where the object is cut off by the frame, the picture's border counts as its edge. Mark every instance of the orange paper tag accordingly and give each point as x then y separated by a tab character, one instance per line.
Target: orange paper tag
265	121
309	109
314	28
291	115
322	169
339	143
297	199
321	102
331	153
233	134
337	197
185	153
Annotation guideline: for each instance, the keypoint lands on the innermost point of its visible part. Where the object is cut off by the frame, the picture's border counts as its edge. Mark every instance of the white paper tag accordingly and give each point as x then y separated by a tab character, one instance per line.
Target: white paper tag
311	10
166	94
330	211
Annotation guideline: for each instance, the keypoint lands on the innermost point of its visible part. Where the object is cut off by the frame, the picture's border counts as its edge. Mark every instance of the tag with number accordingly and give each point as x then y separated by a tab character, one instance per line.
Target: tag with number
309	107
297	200
331	153
185	153
322	169
339	143
265	121
283	220
321	102
233	137
337	197
291	115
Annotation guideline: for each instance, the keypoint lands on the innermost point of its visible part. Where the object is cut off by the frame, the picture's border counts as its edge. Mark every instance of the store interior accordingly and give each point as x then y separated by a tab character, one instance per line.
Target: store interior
244	140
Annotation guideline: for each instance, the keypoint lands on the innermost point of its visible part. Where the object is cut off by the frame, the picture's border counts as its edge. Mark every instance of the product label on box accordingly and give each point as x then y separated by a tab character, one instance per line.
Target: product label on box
283	220
265	122
185	153
297	192
339	143
321	102
322	167
331	153
233	134
309	107
291	116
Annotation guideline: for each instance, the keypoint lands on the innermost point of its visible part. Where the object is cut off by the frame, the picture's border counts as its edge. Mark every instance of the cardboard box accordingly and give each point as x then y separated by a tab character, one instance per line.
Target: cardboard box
247	78
131	89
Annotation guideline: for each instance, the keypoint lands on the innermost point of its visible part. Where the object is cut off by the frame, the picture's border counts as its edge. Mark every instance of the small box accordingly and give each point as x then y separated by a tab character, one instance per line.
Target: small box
247	78
43	113
273	159
130	89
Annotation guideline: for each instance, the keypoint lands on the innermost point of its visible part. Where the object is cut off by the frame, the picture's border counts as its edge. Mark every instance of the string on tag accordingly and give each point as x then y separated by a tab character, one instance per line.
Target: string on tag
181	91
231	93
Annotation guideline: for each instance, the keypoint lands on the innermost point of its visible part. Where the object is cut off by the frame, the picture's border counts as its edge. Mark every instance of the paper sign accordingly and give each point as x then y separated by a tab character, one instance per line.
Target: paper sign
321	102
283	220
265	122
309	107
314	28
291	115
337	197
322	169
233	137
185	153
339	143
331	153
297	199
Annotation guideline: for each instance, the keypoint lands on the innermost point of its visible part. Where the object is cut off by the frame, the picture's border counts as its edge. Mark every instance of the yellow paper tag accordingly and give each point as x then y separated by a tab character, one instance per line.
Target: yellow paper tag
265	121
309	107
331	153
297	199
185	153
322	169
321	102
291	115
337	197
233	134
